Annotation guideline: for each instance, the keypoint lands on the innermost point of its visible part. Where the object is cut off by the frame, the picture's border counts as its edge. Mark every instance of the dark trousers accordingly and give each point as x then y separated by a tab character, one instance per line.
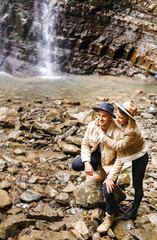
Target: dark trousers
78	165
138	171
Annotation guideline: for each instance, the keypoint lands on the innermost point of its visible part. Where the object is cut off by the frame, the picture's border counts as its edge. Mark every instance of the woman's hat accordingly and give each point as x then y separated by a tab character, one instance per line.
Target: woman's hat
129	108
107	107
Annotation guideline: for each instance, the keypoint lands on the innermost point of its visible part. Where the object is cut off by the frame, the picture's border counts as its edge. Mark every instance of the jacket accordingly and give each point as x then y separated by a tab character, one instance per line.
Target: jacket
130	145
111	164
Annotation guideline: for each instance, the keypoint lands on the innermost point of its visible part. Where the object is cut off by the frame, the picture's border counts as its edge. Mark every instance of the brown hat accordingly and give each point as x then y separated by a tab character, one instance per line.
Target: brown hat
129	108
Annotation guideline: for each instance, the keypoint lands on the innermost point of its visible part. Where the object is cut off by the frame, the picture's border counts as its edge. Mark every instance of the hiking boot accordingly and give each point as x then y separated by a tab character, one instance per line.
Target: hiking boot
103	228
131	214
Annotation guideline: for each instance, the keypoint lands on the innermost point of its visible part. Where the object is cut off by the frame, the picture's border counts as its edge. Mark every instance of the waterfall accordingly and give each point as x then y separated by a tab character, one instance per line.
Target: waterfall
46	14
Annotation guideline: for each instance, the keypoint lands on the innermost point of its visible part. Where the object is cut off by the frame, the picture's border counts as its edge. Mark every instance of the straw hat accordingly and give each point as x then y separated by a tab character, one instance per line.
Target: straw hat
129	108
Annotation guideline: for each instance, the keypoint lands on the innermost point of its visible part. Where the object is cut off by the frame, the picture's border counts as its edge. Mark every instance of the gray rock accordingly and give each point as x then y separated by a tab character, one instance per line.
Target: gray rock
81	227
43	212
84	117
123	179
30	196
90	194
121	228
69	148
57	226
47	235
66	176
68	133
50	191
12	225
63	198
9	116
147	232
153	218
3	165
97	214
14	135
51	128
57	157
74	140
5	184
69	188
19	151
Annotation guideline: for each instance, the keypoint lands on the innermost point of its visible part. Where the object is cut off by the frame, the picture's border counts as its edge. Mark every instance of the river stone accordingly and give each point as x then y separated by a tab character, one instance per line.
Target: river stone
51	128
5	184
70	220
153	218
5	200
62	198
14	135
90	194
48	235
147	232
66	176
3	165
50	191
96	236
121	228
30	196
33	179
70	123
43	212
57	157
52	114
97	214
57	226
84	117
69	132
69	148
20	152
123	179
77	235
13	225
80	226
69	188
74	140
8	115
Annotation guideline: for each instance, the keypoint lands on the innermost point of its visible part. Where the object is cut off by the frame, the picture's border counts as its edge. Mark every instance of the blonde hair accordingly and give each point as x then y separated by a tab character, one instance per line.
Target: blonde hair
131	123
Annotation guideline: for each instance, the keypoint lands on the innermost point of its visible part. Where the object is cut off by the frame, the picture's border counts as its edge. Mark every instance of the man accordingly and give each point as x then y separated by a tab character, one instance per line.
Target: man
96	155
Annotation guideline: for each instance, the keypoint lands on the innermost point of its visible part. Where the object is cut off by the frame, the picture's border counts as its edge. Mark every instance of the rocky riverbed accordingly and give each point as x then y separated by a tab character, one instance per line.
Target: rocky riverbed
41	197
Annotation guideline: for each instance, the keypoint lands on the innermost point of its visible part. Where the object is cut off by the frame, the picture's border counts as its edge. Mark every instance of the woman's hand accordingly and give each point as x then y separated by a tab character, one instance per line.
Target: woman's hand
109	185
88	168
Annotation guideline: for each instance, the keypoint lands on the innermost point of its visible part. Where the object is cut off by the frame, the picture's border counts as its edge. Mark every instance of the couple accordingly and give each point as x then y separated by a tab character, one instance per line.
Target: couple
106	146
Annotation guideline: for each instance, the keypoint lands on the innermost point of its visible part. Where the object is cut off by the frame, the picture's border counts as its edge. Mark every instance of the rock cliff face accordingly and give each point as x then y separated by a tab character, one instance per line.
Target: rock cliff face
92	37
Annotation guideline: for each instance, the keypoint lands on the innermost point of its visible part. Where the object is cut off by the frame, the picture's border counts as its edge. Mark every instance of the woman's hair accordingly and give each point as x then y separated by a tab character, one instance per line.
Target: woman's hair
123	113
131	125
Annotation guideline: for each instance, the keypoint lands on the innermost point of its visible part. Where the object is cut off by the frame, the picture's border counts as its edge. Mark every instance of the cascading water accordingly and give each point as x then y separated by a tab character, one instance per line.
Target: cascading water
46	14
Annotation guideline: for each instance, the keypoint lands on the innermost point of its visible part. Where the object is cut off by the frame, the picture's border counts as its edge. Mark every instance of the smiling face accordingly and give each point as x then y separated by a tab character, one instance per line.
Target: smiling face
104	119
121	117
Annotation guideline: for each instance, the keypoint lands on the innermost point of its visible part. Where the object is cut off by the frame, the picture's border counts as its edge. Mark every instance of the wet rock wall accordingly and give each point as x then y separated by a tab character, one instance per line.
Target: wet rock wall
93	37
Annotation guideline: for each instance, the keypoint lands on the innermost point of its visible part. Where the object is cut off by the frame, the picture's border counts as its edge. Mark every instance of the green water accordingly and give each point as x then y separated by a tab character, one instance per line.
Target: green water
73	87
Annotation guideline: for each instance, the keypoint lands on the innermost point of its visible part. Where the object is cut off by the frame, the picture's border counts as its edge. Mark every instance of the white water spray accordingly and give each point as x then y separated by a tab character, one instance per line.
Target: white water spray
46	17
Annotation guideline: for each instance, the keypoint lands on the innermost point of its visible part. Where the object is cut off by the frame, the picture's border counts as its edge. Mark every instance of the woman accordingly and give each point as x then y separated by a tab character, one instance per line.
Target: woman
130	147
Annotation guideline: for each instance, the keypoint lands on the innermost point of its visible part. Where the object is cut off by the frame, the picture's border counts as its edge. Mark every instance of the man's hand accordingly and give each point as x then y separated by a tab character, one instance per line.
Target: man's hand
109	185
88	168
